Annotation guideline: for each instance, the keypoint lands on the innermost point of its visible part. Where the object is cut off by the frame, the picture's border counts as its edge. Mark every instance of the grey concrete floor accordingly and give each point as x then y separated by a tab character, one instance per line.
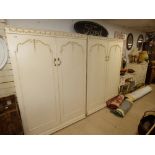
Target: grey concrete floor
103	122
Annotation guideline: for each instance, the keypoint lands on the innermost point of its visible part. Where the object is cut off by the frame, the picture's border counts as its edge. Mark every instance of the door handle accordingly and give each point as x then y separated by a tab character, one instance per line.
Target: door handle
59	62
106	58
55	62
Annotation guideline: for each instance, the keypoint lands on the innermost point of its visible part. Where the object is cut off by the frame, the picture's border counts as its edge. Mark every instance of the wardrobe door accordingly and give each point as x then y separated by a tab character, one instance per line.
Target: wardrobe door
72	78
34	71
96	74
114	58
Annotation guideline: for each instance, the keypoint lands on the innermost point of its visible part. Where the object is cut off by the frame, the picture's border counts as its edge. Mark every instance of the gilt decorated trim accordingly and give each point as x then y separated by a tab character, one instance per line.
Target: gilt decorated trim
69	34
34	41
97	45
14	30
116	46
104	38
19	44
72	43
39	41
97	37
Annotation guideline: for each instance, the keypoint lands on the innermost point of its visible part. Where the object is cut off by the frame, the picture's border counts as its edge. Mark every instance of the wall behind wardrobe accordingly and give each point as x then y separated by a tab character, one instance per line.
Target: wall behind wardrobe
68	26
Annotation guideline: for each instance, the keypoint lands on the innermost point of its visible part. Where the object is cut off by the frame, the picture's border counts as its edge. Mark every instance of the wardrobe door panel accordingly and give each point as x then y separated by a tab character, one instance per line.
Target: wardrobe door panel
113	68
96	74
72	78
34	71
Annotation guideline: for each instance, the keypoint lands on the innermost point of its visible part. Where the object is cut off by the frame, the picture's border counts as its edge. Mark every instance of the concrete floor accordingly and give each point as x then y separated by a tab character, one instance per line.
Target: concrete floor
104	122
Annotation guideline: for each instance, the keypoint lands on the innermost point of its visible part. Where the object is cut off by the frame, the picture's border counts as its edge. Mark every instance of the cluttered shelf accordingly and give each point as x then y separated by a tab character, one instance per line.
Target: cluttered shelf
133	77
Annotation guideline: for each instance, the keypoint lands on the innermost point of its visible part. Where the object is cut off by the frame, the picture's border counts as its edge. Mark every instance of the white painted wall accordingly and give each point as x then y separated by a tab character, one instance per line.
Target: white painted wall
7	86
68	26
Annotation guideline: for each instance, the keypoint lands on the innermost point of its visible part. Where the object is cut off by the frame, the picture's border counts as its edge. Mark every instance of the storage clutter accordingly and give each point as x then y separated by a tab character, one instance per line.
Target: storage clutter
123	108
134	77
120	104
137	56
127	84
139	93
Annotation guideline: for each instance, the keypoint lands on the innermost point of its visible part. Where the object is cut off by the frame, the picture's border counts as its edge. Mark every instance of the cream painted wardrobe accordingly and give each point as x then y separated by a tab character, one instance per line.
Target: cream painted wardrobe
50	77
103	71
